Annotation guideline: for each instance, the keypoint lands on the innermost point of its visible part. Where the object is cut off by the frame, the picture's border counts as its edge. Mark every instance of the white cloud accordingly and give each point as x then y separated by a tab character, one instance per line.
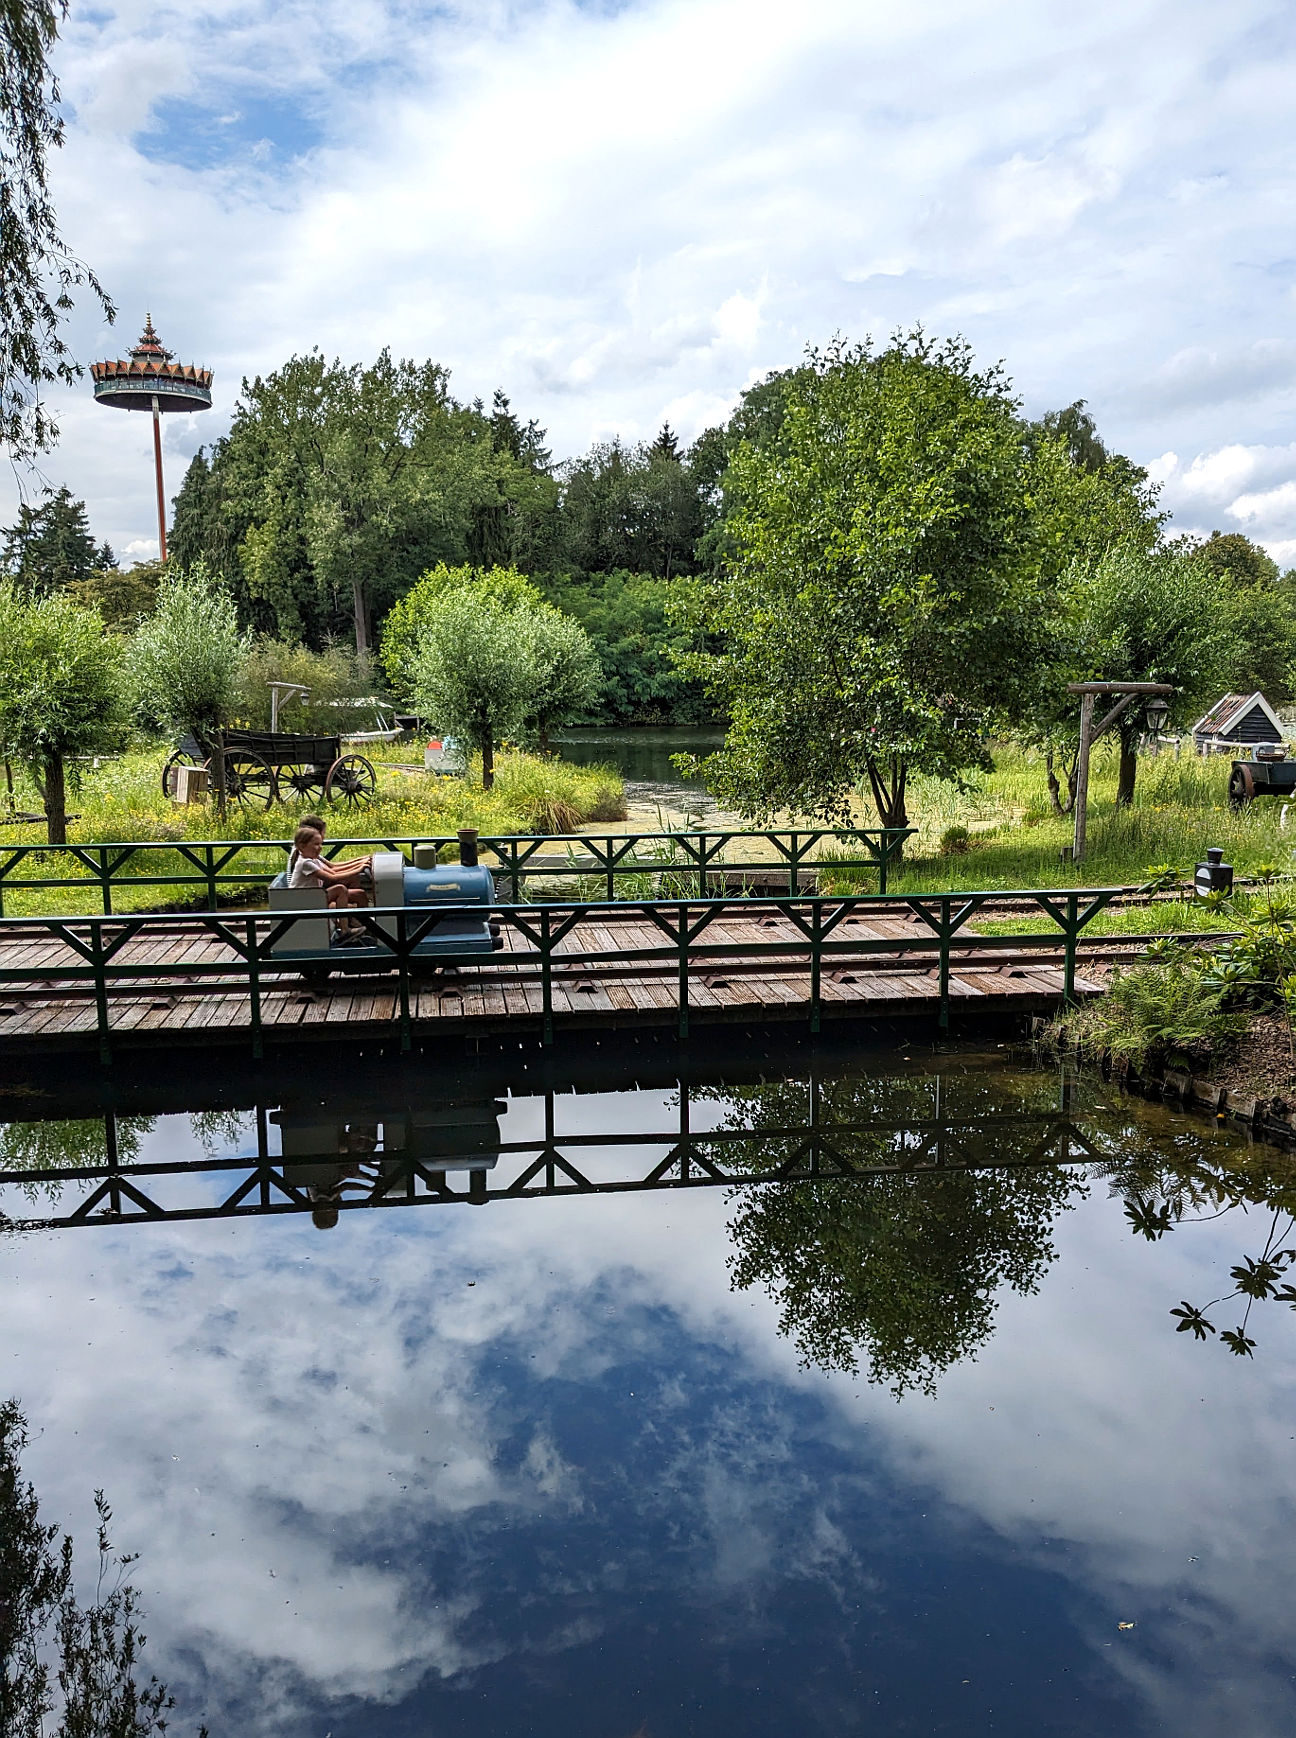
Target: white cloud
624	214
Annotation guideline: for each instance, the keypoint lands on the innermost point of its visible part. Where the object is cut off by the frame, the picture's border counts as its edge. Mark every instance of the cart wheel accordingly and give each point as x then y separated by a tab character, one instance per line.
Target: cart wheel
351	780
249	780
1241	787
181	757
305	782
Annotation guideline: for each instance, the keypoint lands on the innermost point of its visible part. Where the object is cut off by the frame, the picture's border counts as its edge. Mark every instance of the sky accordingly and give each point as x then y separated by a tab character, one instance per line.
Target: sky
626	211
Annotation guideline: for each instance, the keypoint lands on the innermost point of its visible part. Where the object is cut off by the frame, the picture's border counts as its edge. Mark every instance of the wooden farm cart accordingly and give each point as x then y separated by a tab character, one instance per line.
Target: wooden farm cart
1268	773
267	766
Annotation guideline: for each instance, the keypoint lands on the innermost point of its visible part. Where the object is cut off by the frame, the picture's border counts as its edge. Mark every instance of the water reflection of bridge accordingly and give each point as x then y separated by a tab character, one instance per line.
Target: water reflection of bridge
441	1150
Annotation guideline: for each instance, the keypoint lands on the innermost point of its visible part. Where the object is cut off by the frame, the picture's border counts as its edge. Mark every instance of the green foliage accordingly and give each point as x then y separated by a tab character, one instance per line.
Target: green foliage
881	605
61	689
37	273
955	841
50	545
334	677
629	508
639	643
1231	556
483	655
338	485
473	671
565	674
186	659
504	588
123	596
1162	1005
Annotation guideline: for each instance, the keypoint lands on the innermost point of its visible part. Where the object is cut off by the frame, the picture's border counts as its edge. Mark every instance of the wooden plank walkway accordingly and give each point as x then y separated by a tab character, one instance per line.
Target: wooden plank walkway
506	991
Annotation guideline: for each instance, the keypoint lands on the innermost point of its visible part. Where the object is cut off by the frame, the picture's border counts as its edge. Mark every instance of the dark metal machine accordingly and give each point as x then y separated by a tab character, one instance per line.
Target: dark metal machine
1266	772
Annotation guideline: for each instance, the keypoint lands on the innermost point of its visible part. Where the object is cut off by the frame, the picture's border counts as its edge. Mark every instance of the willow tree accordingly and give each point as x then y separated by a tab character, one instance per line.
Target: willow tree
62	691
880	604
37	271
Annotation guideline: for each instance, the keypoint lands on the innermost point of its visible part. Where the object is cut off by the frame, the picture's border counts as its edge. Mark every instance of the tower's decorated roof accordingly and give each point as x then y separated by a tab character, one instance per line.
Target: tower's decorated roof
151	367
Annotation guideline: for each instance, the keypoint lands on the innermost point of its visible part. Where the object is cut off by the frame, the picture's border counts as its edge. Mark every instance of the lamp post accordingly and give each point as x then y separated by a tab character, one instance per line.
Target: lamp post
1157	711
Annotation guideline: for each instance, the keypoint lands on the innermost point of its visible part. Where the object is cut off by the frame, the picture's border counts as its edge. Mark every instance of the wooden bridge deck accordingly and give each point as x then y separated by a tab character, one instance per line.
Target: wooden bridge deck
504	991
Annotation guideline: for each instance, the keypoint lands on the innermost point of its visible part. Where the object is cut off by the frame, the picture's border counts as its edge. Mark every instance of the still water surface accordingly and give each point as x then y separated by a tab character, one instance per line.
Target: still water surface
898	1452
643	757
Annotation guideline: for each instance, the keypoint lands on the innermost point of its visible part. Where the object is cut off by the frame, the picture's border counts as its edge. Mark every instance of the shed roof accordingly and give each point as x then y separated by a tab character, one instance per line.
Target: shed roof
1230	710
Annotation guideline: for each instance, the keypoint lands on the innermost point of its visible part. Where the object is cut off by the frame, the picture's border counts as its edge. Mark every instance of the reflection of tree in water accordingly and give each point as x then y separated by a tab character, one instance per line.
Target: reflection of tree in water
900	1271
1174	1180
77	1662
45	1148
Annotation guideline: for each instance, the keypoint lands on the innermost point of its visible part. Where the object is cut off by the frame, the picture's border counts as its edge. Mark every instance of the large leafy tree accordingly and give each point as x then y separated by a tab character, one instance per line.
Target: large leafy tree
502	587
338	485
50	544
61	690
37	271
881	605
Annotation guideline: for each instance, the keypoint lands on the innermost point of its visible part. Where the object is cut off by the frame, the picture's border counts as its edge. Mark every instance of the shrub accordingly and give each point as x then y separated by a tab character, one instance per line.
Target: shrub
1166	1003
955	842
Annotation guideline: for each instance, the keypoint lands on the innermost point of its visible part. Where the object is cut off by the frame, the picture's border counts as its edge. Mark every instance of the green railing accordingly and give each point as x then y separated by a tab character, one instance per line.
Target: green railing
517	860
92	961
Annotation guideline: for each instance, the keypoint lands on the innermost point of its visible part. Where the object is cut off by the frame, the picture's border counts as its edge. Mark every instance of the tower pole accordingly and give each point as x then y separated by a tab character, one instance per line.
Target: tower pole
157	460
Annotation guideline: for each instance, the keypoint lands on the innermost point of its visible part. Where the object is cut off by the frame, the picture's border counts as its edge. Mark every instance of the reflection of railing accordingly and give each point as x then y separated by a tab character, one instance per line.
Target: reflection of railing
519	859
91	957
395	1174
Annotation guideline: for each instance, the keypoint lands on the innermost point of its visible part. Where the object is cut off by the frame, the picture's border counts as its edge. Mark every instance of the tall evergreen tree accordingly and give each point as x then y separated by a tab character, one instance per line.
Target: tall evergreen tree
50	546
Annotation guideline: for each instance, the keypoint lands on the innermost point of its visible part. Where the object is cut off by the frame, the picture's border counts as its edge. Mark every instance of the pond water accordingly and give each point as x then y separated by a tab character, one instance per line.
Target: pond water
642	756
916	1449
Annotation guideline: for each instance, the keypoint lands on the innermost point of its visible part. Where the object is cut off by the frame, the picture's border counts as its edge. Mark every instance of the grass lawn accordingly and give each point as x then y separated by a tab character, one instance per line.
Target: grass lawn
1180	807
122	800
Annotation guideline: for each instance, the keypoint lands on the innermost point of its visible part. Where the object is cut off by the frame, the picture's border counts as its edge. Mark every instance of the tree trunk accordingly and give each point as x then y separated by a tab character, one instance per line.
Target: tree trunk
888	788
55	800
9	784
1055	789
488	762
1128	771
361	618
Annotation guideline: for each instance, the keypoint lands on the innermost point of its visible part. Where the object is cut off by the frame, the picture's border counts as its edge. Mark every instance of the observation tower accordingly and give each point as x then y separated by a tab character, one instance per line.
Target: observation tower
151	380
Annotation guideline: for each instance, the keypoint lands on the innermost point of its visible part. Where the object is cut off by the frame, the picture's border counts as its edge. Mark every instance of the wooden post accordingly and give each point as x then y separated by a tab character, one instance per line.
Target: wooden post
221	788
1082	776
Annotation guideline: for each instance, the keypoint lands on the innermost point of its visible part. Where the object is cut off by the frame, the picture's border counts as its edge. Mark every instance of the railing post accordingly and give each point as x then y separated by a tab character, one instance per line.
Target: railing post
105	882
403	976
101	993
1072	934
681	940
816	962
210	853
944	963
546	975
254	986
